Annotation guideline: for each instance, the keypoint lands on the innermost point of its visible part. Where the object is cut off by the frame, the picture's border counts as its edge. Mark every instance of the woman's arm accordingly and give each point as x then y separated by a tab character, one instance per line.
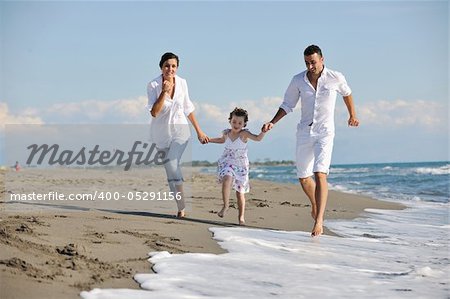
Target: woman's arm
158	105
167	87
200	135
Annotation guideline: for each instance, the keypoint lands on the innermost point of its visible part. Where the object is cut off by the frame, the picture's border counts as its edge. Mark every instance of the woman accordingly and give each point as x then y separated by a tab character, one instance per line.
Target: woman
170	107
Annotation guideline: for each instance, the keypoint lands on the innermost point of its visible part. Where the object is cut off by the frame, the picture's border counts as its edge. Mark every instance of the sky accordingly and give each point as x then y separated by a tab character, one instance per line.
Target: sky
90	62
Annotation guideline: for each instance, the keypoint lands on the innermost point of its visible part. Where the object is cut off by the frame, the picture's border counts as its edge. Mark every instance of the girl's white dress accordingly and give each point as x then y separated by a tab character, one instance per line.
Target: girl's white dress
234	162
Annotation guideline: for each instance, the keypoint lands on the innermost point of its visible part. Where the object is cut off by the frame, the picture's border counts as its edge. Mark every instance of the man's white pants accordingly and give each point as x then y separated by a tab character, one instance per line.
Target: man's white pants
313	154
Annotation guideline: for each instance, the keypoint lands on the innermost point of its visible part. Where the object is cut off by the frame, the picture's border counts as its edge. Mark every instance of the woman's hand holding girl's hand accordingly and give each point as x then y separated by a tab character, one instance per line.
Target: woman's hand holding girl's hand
202	138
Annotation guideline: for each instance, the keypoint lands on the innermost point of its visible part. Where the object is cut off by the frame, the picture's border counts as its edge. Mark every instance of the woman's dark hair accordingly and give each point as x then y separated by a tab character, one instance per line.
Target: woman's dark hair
310	50
167	56
240	113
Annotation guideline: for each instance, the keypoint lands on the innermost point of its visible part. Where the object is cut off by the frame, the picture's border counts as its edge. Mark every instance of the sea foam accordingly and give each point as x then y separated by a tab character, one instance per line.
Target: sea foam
266	263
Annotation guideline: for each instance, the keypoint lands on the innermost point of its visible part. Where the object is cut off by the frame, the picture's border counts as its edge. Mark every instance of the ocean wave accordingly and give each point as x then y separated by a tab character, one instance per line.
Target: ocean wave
433	171
341	188
435	192
349	170
259	170
411	182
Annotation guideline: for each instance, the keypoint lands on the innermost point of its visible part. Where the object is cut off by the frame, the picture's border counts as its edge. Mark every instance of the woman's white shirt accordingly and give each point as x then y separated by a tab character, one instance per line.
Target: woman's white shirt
171	123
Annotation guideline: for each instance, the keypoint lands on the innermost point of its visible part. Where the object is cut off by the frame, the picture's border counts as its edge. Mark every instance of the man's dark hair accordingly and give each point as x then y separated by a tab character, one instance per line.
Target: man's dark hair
167	56
310	50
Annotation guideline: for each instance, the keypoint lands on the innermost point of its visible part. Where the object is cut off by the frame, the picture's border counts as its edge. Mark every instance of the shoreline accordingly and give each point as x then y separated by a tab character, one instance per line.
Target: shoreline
54	253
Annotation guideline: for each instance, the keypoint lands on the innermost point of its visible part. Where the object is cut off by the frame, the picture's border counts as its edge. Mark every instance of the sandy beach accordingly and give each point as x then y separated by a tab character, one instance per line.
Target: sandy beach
53	249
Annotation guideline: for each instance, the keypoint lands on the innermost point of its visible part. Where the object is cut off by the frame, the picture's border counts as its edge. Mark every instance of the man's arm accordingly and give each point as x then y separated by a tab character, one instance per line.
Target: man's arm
352	120
279	115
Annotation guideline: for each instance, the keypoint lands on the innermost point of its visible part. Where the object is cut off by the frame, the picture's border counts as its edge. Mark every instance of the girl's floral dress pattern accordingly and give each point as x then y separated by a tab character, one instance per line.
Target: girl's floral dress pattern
234	162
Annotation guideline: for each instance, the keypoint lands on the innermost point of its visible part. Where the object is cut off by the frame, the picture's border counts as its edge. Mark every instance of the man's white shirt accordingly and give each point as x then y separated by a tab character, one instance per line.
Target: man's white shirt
317	105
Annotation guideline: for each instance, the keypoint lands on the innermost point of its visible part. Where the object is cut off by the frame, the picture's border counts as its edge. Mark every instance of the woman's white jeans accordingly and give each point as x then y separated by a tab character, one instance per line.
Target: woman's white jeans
173	170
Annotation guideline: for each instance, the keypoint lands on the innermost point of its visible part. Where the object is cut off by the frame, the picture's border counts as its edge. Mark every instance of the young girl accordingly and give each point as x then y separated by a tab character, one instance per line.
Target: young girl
232	166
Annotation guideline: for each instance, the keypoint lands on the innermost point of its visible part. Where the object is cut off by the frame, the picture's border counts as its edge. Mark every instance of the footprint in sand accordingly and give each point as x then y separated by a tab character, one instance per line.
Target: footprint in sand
69	250
23	228
19	264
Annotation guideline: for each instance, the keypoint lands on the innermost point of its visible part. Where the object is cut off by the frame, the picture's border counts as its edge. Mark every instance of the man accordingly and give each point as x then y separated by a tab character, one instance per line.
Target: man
316	88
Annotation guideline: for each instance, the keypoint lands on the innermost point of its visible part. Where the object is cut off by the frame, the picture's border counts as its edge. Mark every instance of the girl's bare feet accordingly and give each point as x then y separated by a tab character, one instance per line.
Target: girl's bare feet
222	212
317	229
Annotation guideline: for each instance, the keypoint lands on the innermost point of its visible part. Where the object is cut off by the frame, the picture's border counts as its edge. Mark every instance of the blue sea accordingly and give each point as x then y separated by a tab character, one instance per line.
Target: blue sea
383	254
405	182
422	181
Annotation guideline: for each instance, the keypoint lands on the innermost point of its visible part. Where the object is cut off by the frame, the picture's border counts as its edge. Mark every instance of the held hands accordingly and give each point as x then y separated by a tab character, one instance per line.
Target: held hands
267	127
202	138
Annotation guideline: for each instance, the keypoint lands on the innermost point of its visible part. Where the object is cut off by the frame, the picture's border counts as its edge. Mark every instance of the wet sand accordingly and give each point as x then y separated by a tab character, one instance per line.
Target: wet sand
55	249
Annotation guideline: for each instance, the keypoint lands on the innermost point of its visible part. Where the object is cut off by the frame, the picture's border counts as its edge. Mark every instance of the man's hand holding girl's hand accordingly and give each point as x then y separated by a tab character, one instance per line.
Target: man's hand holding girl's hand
267	127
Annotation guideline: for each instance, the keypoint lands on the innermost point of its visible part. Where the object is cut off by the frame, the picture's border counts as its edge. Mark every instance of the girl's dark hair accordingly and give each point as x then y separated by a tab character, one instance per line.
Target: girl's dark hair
310	50
240	113
167	56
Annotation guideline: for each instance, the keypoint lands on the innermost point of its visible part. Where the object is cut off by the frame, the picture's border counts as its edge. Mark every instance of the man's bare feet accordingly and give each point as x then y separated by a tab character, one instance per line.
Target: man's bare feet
317	229
242	221
314	211
222	212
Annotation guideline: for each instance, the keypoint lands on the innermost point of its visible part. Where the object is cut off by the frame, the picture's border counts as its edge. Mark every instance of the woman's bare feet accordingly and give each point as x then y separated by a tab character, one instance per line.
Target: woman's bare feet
222	212
317	229
181	214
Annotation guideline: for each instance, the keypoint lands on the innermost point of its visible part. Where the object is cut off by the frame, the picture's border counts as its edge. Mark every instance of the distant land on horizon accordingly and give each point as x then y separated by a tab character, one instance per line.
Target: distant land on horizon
258	162
268	162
